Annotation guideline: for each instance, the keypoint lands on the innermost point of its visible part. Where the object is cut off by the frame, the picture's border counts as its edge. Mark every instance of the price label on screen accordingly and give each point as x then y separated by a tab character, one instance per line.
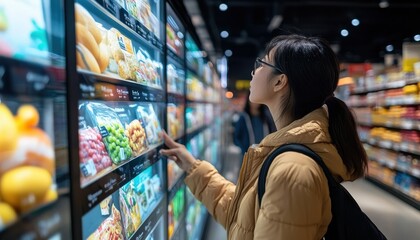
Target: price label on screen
110	6
126	19
142	31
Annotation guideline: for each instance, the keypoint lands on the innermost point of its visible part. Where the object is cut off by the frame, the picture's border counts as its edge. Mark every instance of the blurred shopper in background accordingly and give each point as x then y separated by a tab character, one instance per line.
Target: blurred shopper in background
252	125
296	80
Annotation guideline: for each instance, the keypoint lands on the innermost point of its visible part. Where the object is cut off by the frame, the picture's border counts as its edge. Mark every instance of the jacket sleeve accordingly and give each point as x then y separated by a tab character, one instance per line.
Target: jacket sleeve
291	207
212	189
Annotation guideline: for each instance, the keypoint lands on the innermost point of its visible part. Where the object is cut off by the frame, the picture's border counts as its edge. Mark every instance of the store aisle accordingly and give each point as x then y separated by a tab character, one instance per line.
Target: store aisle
396	219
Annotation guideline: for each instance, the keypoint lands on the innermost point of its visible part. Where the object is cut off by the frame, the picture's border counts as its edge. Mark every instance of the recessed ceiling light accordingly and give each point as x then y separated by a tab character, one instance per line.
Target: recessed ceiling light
223	7
224	34
344	33
355	22
417	37
228	53
389	48
383	4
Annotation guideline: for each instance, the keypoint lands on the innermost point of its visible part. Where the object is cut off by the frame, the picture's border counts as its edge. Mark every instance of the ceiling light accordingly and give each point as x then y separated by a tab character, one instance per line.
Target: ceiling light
383	4
228	53
355	22
344	33
390	48
223	7
224	34
417	37
275	22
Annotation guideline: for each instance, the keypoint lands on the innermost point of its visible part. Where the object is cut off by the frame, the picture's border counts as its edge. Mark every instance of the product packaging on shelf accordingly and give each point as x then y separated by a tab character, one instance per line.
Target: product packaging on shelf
175	120
147	113
112	131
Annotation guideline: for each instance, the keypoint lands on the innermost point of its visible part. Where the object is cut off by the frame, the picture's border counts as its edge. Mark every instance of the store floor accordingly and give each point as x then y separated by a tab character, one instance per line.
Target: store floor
396	219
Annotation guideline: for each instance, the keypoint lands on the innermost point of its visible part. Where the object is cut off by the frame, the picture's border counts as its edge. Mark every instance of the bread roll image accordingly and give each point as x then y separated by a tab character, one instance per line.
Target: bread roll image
104	58
84	37
81	11
94	30
86	60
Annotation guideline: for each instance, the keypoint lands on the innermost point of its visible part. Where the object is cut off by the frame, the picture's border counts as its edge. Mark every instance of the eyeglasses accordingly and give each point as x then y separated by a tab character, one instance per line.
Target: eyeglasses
259	62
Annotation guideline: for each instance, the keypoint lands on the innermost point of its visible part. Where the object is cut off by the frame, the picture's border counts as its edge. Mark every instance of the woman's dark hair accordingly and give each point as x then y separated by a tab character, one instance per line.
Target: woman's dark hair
313	71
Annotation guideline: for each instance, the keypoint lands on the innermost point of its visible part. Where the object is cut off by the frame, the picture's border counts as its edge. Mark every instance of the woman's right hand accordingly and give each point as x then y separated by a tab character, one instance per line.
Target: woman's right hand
177	152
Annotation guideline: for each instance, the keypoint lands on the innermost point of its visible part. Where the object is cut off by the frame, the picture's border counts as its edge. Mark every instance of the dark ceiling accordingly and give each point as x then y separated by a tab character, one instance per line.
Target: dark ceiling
247	22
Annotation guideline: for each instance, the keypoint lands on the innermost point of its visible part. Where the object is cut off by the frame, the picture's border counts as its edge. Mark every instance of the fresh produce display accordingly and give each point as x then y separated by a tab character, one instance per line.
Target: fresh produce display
27	164
92	153
151	123
112	131
137	137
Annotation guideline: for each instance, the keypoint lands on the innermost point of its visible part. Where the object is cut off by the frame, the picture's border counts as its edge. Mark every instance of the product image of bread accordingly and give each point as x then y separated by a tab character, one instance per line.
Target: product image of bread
83	36
86	60
104	57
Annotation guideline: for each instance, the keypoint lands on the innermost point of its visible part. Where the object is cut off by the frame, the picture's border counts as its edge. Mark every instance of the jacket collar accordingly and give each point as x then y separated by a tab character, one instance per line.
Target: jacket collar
312	128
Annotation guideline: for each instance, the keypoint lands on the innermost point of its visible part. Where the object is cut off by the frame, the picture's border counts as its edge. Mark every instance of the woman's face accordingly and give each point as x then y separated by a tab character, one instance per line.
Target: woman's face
261	87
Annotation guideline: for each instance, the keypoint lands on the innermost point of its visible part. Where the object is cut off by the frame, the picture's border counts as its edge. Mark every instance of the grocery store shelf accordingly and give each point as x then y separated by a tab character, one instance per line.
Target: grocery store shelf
396	192
393	165
390	85
402	124
191	133
175	187
199	228
179	228
407	147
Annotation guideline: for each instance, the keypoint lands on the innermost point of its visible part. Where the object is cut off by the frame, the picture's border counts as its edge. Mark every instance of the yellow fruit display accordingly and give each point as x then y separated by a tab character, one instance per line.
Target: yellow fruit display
27	116
9	132
25	187
7	214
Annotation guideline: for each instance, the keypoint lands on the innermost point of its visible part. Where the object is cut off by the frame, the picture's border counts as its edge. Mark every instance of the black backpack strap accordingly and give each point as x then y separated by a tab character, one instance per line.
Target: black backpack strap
292	147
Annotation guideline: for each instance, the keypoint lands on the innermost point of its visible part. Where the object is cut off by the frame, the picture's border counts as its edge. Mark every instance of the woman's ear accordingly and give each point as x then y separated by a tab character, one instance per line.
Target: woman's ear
280	82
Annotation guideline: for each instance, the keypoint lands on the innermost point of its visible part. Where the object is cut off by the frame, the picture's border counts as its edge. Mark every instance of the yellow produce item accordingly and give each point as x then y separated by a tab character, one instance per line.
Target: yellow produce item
9	132
7	214
27	116
51	195
25	187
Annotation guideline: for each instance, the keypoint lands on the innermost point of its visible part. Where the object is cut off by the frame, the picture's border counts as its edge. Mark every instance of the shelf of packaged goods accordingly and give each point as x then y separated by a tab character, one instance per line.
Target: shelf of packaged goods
408	147
178	183
176	97
395	191
393	165
173	57
191	133
402	124
189	100
105	183
179	232
121	19
387	86
199	228
386	102
147	225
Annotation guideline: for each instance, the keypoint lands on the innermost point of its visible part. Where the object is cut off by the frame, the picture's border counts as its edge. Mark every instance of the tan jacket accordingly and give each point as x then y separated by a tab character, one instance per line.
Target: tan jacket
296	203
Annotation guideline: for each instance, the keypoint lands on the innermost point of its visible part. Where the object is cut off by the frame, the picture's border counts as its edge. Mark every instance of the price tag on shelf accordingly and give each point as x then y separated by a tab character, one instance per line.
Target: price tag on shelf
122	93
110	6
127	19
142	31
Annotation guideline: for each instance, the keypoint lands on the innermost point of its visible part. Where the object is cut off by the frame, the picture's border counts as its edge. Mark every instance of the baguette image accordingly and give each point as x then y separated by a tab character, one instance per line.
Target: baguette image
86	60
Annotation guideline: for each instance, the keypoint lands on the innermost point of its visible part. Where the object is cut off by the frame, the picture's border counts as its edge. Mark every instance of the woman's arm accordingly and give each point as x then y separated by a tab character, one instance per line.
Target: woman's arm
212	189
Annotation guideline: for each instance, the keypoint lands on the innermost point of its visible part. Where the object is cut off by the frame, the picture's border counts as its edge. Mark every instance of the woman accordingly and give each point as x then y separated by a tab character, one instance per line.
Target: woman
296	80
252	125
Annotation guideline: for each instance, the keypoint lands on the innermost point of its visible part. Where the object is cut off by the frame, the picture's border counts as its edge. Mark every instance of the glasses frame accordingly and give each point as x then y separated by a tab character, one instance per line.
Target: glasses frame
259	60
